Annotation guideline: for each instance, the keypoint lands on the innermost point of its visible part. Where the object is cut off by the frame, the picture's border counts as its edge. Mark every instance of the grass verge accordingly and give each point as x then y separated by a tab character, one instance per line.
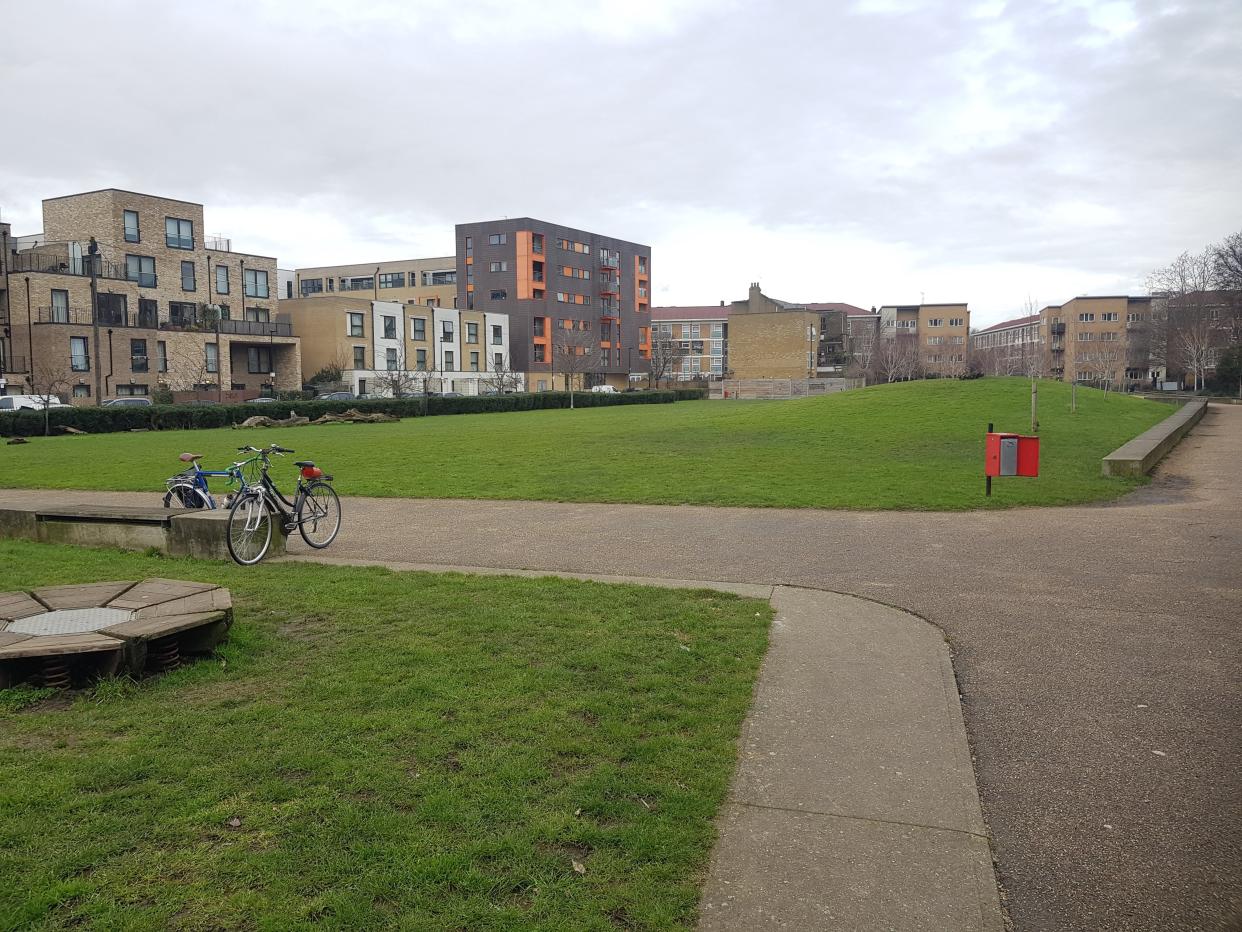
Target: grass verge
917	445
373	749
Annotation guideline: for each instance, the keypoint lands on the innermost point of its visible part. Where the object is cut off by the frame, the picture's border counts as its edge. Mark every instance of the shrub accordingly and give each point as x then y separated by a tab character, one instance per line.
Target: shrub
690	394
99	420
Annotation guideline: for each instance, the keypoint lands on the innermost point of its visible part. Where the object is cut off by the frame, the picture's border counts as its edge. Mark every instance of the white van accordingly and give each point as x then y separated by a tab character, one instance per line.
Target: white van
26	403
604	389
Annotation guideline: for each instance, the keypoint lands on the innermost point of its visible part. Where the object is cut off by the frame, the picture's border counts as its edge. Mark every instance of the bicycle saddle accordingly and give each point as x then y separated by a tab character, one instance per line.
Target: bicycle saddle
305	464
190	457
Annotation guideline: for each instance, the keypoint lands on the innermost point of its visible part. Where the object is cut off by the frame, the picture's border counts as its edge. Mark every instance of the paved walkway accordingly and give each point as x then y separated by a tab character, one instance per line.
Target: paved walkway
1096	649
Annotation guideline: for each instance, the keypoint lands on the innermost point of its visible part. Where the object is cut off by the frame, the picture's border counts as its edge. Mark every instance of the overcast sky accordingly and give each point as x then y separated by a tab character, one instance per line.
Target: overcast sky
871	152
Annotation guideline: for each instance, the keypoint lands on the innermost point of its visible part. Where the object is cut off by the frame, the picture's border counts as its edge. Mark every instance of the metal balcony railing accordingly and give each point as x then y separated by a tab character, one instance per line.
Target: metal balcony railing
610	260
65	265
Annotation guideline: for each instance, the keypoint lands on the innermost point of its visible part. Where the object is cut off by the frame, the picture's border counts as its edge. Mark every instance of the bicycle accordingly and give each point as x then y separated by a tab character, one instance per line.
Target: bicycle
315	510
188	489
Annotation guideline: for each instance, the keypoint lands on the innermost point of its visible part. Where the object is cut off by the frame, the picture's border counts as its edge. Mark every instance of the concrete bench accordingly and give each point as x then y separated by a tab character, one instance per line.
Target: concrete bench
176	532
1140	455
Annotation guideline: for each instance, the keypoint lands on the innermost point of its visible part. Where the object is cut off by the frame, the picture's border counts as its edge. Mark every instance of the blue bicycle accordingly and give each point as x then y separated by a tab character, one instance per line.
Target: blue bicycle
188	489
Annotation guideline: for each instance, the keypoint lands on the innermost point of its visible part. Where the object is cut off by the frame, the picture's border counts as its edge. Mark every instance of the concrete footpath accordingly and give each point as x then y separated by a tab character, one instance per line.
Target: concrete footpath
853	805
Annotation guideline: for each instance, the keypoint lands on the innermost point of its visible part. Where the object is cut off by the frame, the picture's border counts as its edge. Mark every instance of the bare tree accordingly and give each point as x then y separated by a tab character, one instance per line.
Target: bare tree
397	380
666	353
1188	331
188	366
426	373
48	381
889	360
1104	362
501	379
575	353
863	348
1227	263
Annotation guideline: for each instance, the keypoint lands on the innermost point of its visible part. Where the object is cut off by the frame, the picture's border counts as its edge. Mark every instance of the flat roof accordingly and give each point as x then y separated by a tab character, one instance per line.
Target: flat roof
178	200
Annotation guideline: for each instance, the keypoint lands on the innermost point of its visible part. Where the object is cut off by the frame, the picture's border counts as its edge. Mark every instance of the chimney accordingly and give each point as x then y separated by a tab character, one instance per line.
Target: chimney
722	302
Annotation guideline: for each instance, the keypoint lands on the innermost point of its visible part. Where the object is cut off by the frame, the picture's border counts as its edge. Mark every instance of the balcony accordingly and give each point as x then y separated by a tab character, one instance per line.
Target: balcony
64	264
610	285
609	308
610	260
81	316
1057	329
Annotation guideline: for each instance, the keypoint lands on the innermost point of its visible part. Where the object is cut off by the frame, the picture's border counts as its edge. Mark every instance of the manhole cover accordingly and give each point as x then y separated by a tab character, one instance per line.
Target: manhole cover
70	621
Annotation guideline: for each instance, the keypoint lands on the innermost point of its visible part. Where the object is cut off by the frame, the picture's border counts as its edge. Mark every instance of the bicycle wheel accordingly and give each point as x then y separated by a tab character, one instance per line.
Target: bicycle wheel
319	515
185	496
250	529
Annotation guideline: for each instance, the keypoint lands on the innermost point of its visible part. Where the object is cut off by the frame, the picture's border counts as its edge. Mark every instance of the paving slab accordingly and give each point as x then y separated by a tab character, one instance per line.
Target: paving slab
145	629
154	591
15	605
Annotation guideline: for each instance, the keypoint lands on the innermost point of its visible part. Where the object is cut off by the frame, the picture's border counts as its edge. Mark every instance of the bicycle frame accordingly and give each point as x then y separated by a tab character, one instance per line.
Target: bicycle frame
288	510
195	477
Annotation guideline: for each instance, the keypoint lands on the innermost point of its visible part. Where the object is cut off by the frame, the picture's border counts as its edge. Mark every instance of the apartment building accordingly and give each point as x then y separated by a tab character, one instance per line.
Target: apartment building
563	290
390	347
934	335
701	335
1102	340
1012	347
431	282
773	339
123	294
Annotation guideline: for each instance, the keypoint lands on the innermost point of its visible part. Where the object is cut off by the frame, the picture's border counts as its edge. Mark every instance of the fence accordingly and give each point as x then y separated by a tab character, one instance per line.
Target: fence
779	389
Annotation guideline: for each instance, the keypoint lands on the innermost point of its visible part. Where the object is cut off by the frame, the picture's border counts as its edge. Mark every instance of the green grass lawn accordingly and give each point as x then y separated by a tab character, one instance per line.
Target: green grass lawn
375	749
917	445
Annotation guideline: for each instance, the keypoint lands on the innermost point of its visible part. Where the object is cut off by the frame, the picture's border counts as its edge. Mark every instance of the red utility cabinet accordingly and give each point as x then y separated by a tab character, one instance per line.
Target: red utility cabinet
1011	455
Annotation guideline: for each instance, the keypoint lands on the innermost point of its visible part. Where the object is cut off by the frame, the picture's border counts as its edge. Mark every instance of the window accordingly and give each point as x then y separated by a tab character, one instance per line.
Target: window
446	331
497	239
358	283
260	314
538	324
355	326
539	353
222	280
435	302
472	333
497	335
138	355
438	278
81	391
418	328
390	327
448	359
420	360
694	331
140	269
469	247
131	390
957	341
536	243
178	234
390	359
935	322
1109	337
543	385
256	283
181	312
79	355
392	280
499	294
132	235
60	306
1086	318
1108	315
211	356
957	321
500	266
474	362
187	276
1086	337
161	355
309	286
258	359
498	361
360	357
1133	317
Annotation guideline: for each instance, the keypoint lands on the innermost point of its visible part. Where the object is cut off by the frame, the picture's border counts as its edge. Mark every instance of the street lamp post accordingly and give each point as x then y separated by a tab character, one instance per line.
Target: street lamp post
271	356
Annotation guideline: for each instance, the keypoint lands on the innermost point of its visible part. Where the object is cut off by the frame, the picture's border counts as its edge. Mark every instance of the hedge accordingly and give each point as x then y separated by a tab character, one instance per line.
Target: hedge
104	420
690	394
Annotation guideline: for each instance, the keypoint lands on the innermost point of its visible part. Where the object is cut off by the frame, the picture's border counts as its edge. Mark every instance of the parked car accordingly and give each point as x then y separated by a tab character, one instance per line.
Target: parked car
26	403
604	389
263	400
336	396
134	401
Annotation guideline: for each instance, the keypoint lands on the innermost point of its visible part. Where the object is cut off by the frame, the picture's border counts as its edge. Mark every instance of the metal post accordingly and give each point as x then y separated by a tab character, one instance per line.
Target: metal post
1034	407
988	479
93	252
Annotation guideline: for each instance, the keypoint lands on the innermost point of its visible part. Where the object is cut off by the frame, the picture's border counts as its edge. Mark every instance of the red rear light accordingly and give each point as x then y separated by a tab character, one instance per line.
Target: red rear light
311	472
